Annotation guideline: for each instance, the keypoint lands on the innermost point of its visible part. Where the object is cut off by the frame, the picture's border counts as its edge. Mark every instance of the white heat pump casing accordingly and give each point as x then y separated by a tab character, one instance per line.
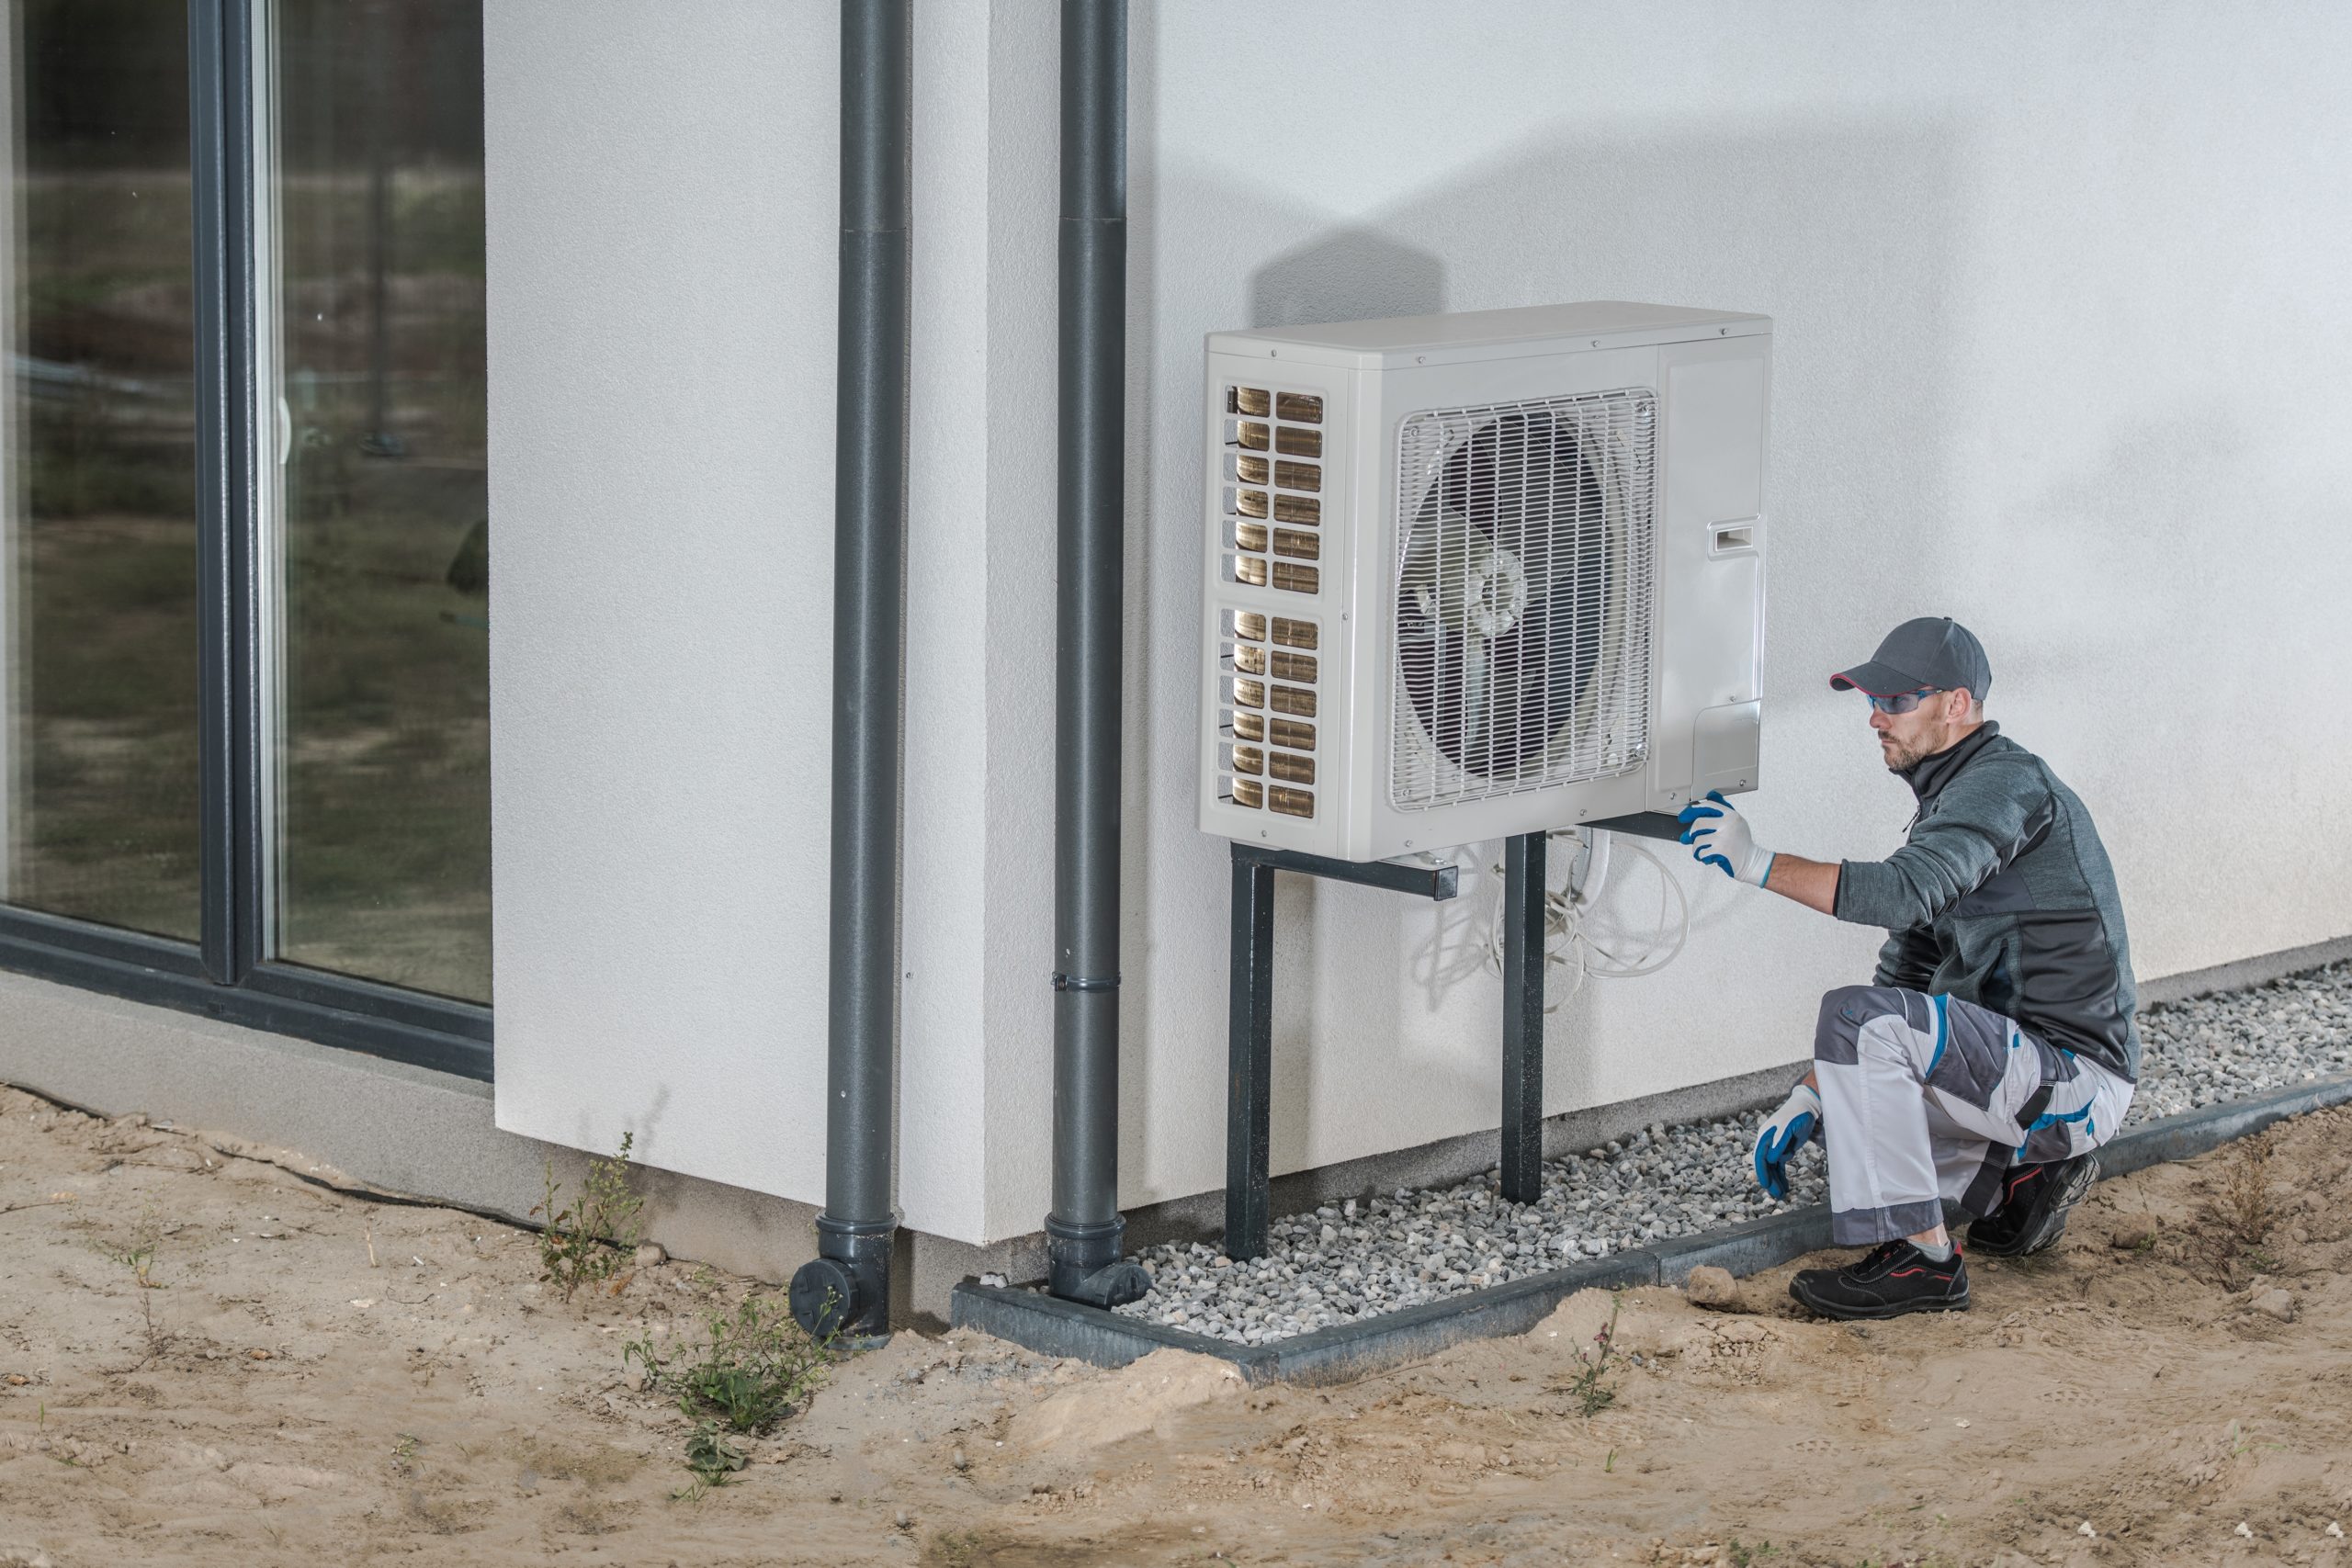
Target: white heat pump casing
1696	384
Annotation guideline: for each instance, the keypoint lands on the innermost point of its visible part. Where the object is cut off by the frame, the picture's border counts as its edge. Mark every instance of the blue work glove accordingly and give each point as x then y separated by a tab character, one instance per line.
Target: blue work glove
1719	836
1785	1132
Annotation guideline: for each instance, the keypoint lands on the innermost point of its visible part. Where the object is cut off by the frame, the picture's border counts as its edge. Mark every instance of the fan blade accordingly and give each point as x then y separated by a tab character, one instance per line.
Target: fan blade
1477	711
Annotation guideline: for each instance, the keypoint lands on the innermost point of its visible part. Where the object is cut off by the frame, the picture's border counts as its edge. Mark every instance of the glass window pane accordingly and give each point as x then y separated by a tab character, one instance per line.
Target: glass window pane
97	529
374	217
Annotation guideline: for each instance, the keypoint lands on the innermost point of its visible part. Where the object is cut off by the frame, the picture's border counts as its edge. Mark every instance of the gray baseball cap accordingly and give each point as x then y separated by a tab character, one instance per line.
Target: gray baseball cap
1934	650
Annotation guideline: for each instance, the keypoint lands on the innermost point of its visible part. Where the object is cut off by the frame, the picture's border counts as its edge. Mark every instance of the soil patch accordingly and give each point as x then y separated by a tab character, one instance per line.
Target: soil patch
205	1359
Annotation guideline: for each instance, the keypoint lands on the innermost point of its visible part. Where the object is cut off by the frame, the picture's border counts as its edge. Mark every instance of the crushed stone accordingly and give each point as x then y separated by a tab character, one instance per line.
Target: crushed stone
1366	1257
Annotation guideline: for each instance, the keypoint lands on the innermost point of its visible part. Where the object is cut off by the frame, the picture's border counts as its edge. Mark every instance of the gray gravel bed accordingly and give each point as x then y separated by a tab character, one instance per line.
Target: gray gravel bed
1361	1258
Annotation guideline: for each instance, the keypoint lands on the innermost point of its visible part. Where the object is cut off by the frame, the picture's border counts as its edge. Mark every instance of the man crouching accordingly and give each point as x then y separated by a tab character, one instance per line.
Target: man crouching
1995	1048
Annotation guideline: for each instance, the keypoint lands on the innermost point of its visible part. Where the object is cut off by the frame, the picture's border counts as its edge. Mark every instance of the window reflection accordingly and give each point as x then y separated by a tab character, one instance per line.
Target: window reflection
375	213
97	531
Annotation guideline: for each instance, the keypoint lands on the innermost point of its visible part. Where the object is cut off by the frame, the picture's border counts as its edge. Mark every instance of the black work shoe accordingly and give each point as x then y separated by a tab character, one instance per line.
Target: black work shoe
2034	1202
1890	1280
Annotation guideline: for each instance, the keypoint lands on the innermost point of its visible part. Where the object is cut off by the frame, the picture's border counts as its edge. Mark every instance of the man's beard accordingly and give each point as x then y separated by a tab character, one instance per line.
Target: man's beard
1902	758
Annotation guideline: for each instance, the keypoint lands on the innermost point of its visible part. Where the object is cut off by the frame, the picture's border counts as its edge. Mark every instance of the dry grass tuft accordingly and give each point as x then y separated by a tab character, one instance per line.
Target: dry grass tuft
2237	1217
2243	1205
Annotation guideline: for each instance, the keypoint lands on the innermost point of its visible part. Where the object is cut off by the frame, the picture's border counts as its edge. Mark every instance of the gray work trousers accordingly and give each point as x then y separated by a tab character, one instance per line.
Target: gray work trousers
1926	1099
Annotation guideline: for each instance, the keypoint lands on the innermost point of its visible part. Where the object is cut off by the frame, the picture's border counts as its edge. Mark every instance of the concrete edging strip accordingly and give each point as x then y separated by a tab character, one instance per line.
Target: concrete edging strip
1345	1351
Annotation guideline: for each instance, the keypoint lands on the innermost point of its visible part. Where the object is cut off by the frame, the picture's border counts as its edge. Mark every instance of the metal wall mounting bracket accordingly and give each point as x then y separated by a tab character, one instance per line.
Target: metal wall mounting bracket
1251	1018
1251	1021
1523	916
1641	825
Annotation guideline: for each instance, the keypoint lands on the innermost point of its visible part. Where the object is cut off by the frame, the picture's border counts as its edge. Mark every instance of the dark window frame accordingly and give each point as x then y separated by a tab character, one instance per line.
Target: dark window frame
227	975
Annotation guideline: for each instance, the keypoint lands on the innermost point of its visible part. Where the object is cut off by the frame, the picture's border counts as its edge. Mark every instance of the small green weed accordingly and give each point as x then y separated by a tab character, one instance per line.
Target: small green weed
2242	1444
138	1250
586	1242
138	1255
749	1370
711	1457
138	1260
1589	1383
1743	1555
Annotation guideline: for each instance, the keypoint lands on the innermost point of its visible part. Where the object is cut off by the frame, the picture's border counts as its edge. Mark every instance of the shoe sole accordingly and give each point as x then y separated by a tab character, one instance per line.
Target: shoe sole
2045	1236
1892	1309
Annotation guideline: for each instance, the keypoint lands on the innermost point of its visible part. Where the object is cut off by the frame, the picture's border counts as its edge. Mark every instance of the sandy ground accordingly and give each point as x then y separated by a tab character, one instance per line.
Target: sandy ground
315	1378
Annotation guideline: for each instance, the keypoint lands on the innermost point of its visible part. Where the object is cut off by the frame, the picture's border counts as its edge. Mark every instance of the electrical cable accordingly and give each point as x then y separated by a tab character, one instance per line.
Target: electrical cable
1565	913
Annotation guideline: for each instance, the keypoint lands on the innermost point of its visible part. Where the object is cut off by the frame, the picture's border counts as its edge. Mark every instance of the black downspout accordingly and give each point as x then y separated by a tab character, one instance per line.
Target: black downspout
847	1288
1082	1234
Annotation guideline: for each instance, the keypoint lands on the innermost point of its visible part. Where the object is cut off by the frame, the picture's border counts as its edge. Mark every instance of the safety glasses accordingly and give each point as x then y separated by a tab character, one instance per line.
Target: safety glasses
1904	702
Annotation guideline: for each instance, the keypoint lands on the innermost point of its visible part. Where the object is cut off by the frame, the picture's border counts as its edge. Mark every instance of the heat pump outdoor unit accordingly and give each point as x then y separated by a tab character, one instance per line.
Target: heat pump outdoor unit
1477	575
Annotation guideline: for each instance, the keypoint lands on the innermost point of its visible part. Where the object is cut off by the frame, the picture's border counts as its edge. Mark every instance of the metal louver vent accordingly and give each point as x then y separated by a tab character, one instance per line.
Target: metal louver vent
1522	596
1267	756
1273	504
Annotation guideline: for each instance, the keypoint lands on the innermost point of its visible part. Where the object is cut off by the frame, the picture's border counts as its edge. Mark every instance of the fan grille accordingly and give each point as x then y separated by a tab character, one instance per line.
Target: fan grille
1522	596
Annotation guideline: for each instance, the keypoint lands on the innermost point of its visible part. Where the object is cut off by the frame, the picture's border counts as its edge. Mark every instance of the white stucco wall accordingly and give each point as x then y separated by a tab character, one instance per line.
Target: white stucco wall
662	234
2057	295
663	231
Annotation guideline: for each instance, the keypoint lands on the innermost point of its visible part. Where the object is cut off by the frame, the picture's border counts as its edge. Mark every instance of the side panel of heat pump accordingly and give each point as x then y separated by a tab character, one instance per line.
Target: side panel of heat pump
1710	562
1276	523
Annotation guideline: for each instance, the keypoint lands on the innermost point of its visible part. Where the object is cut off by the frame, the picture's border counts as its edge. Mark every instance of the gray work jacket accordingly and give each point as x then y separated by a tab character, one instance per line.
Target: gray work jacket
2003	897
